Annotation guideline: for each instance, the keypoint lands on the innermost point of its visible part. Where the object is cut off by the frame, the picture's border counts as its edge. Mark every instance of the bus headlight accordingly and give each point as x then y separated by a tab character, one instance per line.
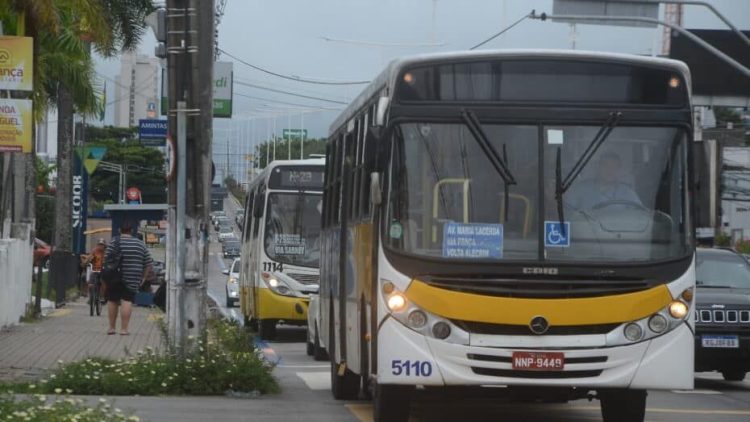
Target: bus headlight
423	322
417	319
678	309
396	302
633	332
658	323
277	286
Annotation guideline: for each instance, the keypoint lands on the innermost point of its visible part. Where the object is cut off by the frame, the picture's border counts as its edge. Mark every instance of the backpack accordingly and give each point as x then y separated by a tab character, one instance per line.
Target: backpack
112	268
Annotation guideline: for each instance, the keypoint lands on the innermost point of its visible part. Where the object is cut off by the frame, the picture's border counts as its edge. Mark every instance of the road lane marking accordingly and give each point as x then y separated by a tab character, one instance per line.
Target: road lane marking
672	411
316	380
699	391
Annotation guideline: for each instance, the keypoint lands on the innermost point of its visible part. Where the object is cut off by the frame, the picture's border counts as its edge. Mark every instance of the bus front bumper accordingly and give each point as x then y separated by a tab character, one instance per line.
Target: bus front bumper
274	306
664	362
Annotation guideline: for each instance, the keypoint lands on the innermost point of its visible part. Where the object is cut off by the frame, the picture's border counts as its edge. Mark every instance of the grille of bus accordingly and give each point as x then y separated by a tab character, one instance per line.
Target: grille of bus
721	316
537	288
305	278
512	373
524	330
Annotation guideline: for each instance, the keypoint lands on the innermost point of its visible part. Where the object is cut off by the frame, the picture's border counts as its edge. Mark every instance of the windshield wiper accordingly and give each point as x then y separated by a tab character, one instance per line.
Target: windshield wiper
498	162
601	136
559	191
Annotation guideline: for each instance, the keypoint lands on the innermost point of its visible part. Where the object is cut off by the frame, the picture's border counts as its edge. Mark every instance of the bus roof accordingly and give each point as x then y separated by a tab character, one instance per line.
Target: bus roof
387	78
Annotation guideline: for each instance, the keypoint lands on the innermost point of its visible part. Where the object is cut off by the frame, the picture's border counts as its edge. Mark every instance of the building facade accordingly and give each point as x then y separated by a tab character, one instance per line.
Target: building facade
137	89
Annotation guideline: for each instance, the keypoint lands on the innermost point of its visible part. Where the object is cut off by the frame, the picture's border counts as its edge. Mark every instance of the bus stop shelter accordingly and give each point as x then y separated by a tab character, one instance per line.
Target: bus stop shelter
134	213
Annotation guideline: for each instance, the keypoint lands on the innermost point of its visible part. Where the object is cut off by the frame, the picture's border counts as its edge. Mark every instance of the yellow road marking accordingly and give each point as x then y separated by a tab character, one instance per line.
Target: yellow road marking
363	411
60	312
677	411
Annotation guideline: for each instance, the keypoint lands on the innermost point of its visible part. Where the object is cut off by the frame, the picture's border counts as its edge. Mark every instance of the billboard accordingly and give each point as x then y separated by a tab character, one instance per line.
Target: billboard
15	125
711	75
222	84
16	63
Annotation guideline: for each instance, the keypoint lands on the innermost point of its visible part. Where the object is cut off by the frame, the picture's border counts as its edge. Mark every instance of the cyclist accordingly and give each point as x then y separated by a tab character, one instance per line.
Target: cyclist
96	260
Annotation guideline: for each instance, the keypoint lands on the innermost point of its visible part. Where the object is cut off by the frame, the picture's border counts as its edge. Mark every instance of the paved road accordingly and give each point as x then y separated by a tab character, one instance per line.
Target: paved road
306	382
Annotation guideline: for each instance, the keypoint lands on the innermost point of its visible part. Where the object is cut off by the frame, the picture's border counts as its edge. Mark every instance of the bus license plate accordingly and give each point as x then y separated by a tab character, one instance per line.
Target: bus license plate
538	361
724	342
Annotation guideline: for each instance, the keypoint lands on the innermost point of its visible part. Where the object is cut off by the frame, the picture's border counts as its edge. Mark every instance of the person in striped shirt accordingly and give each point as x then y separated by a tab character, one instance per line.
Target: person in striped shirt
137	267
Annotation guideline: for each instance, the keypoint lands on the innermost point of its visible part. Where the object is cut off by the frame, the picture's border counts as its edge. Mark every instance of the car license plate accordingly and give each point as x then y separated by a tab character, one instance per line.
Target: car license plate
538	361
725	342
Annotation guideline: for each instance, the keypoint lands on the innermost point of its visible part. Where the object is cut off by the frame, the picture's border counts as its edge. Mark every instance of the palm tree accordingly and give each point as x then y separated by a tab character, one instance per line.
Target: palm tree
64	72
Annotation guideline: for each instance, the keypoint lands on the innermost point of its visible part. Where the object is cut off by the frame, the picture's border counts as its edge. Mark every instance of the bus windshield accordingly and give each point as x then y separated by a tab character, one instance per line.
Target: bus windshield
292	234
626	203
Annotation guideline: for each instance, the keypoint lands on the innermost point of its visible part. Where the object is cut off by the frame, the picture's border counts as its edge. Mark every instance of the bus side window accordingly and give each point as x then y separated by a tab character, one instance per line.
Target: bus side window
259	202
338	162
347	172
325	221
248	219
355	166
365	168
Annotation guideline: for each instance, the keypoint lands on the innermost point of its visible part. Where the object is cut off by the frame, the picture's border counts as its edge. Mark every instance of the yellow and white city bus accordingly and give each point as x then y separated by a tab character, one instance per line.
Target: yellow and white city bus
511	218
281	244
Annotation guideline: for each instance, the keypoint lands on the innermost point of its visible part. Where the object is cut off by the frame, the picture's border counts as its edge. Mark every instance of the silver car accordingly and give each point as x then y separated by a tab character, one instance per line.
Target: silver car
233	283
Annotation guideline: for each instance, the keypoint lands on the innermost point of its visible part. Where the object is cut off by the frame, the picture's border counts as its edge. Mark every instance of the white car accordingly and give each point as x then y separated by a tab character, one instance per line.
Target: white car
315	346
233	290
224	235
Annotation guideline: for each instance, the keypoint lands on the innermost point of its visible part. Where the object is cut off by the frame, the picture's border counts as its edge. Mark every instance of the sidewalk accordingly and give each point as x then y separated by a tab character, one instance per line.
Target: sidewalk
30	350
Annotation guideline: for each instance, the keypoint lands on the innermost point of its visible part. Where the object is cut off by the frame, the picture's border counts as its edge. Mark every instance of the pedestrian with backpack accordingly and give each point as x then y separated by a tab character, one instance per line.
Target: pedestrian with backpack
128	264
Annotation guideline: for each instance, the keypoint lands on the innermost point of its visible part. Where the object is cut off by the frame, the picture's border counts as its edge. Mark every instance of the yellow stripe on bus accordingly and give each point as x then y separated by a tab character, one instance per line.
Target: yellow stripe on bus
519	311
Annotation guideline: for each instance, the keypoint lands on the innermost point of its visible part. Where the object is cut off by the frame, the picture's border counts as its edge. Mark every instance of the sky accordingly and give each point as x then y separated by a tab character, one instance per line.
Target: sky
353	40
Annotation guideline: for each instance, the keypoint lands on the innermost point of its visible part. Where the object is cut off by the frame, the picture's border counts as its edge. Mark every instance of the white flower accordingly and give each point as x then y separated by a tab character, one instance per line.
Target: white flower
32	386
102	400
164	384
58	390
53	376
118	410
68	390
134	419
88	377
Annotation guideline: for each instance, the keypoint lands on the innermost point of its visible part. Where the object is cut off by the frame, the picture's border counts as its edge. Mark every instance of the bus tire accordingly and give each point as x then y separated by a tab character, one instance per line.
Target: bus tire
319	353
391	403
623	405
267	329
309	346
346	386
733	375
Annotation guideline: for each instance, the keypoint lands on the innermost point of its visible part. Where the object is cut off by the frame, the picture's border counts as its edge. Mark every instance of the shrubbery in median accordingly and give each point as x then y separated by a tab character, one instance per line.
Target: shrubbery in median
227	362
39	409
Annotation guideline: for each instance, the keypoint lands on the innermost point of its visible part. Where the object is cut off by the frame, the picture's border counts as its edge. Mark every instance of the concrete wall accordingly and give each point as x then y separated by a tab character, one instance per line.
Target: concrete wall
16	265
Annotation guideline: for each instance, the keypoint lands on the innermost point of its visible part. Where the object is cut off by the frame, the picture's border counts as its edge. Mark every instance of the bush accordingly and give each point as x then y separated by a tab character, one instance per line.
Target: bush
38	408
225	363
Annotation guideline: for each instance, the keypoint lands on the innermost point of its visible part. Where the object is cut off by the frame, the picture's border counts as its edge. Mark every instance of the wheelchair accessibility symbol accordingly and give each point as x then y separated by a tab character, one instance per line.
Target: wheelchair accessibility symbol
555	236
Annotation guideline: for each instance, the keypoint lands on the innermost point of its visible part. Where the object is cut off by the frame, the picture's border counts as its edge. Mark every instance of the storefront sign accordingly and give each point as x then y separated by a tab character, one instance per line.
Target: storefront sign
16	63
15	125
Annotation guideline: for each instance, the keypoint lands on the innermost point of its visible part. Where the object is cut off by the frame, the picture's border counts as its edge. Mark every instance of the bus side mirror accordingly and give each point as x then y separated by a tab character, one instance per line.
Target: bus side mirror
376	195
260	200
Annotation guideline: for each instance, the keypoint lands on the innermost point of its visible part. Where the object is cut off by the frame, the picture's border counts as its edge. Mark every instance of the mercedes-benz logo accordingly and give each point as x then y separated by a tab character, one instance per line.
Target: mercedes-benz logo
539	325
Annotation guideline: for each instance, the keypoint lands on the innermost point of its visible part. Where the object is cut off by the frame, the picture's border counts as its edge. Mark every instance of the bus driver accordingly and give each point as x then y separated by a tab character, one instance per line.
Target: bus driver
606	187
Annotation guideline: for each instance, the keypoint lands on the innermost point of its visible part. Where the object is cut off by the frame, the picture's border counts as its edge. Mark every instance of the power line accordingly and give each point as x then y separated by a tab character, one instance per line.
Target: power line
293	78
279	91
239	94
506	29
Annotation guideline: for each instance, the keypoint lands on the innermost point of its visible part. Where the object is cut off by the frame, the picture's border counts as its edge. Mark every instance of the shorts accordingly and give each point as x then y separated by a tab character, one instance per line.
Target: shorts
119	292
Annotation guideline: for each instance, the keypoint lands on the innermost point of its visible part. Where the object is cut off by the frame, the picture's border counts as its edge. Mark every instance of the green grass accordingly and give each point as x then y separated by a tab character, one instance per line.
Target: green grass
227	362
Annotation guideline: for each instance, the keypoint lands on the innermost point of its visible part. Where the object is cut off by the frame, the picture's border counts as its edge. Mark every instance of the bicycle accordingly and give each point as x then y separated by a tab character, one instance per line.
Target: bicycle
94	282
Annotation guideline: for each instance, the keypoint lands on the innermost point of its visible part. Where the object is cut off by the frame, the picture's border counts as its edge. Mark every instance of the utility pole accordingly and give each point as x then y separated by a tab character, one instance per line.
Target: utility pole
190	54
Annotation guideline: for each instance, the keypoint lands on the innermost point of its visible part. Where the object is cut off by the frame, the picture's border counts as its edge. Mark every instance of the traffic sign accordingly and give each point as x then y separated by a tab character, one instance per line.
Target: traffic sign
152	132
294	133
